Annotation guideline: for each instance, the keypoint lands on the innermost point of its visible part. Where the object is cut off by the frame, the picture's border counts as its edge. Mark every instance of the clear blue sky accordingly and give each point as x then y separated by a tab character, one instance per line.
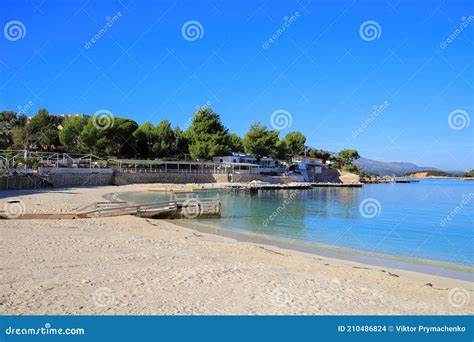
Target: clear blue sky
320	69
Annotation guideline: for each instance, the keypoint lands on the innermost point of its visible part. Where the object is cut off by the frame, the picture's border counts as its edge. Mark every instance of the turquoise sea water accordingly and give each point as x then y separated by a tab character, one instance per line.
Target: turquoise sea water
432	220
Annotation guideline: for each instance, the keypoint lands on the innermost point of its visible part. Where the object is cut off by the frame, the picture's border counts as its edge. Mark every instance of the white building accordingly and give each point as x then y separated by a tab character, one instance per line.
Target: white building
226	159
307	160
308	163
267	162
244	158
236	158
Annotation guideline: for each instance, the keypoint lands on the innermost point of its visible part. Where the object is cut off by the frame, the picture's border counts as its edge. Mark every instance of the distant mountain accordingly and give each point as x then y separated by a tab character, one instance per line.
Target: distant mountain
394	168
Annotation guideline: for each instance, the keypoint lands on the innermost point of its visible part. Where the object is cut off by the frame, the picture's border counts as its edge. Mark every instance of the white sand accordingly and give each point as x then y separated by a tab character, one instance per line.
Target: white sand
129	265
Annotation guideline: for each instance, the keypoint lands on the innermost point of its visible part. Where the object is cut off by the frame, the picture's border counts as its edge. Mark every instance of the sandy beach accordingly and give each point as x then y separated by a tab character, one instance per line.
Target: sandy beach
129	265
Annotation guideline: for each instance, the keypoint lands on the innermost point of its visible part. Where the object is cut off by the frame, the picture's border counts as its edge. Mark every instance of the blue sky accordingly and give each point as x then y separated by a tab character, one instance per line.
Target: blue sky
323	71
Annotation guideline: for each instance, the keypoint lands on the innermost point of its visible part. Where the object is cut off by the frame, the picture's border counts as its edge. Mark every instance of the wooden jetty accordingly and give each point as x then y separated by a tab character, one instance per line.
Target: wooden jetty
190	205
152	210
386	180
188	208
378	181
254	187
337	185
288	186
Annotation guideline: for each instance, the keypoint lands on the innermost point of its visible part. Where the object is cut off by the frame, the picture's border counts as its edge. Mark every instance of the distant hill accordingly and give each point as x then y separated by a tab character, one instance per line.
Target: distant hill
394	168
431	173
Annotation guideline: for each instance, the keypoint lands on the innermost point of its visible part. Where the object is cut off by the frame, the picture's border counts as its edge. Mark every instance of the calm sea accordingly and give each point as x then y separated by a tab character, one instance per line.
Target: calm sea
430	223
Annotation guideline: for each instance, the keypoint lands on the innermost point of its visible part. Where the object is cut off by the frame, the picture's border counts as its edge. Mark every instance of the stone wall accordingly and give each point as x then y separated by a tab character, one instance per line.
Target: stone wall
80	179
57	180
245	177
327	176
61	180
122	178
334	176
183	178
19	182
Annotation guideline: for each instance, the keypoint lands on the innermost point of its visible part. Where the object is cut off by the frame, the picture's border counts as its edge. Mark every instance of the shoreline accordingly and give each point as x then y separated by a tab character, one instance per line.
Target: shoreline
423	266
159	267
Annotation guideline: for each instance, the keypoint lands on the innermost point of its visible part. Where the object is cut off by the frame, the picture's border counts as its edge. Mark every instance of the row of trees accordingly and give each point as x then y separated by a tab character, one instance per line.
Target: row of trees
469	174
205	138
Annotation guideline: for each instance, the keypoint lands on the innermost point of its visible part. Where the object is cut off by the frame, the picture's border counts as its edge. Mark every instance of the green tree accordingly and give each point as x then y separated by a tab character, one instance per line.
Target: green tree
181	143
145	137
347	156
352	168
207	135
42	130
8	121
120	134
295	142
114	140
165	145
70	134
19	137
93	139
236	143
345	159
260	142
321	154
282	150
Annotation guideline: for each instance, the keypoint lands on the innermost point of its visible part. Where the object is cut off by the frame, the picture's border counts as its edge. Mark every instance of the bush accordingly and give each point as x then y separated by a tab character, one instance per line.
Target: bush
351	168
